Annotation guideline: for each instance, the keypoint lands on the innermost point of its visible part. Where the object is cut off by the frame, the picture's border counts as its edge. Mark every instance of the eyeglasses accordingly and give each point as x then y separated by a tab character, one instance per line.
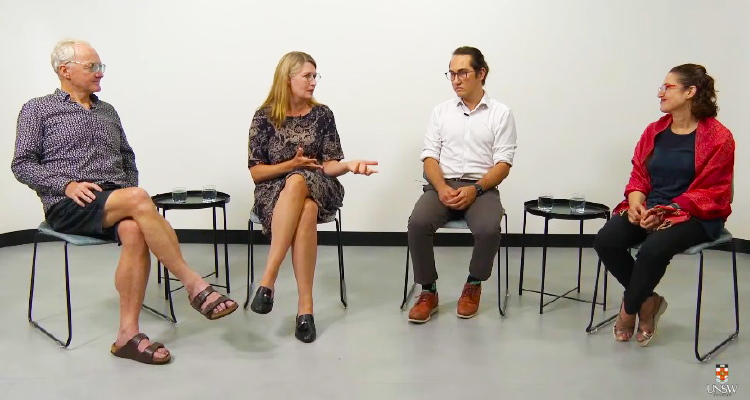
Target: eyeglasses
462	74
92	67
311	77
663	88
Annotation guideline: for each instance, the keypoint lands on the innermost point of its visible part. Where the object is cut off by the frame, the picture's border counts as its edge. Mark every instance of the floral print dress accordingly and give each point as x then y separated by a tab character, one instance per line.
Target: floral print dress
316	134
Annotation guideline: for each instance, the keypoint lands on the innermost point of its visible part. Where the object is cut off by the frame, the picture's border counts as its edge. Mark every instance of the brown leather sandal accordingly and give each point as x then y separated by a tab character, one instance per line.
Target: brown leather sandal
200	298
130	351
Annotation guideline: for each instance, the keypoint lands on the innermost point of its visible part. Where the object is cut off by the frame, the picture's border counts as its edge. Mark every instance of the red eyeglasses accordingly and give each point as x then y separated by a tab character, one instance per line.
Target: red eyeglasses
663	88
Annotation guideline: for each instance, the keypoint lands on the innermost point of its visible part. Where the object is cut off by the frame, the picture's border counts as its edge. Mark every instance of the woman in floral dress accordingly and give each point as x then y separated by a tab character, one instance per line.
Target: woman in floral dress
294	157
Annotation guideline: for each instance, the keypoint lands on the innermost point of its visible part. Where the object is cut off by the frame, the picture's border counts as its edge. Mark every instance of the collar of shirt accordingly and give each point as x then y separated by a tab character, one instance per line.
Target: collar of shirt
484	101
65	96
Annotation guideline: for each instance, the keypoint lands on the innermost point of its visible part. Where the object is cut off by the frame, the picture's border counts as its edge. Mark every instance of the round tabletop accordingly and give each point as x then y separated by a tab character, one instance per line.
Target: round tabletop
194	201
561	210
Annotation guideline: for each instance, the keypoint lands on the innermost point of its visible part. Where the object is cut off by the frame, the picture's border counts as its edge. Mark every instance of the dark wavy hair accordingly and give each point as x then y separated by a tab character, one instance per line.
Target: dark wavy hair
703	104
477	59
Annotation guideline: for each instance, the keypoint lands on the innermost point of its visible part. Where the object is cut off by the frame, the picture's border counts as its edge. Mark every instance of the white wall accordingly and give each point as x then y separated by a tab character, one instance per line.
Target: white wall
186	77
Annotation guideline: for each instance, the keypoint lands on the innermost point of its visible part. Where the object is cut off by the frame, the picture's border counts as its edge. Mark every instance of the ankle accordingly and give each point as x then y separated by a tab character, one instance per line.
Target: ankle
431	287
625	317
267	282
304	306
473	281
125	334
195	284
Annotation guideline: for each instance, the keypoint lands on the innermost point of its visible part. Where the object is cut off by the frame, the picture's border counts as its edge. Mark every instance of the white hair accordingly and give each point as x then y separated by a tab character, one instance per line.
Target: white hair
65	52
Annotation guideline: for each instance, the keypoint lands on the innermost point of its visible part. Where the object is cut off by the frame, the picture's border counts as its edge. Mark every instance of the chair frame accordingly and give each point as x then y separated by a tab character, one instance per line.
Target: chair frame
698	249
40	233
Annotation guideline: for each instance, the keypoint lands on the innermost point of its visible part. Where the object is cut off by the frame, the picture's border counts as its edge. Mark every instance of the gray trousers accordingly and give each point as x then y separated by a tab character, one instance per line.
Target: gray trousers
429	214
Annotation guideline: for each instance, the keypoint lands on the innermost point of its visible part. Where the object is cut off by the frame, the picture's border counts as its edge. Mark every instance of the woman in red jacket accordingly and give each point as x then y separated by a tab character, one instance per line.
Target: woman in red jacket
678	196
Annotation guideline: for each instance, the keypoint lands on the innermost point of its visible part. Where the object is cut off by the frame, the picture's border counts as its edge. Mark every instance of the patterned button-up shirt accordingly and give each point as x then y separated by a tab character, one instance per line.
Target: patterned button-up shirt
58	141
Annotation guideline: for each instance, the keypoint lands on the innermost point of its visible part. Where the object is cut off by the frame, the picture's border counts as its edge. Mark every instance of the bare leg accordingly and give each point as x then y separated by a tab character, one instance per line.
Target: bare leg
286	214
304	254
131	278
136	204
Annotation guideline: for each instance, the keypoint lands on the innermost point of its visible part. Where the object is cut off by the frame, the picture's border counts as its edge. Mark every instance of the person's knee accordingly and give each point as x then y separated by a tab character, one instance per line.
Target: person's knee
419	224
605	241
651	252
487	231
139	200
601	242
295	184
130	233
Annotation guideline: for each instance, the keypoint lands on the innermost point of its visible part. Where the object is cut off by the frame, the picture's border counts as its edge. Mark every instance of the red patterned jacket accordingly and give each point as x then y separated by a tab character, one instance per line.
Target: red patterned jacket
710	194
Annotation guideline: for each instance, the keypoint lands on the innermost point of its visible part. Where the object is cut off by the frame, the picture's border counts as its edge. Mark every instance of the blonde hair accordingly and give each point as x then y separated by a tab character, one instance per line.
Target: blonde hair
65	52
277	101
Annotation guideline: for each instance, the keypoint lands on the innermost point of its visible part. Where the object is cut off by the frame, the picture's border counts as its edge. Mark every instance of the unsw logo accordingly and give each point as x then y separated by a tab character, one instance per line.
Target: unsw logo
722	377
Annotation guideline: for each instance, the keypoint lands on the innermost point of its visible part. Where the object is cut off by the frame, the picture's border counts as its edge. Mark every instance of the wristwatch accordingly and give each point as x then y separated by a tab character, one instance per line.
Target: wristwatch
480	191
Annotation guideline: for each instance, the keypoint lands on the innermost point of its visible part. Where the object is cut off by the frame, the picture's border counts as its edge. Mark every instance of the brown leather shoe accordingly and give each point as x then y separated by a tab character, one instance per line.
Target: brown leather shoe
468	303
426	305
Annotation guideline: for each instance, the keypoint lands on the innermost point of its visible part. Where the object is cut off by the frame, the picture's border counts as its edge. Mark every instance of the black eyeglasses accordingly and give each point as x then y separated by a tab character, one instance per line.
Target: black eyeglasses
462	74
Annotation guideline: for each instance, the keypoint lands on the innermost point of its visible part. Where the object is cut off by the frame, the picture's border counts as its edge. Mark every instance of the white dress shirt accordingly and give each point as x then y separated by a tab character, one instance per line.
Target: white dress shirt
467	143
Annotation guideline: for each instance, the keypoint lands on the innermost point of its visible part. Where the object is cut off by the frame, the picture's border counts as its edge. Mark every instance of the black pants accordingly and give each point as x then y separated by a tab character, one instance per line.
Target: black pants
639	277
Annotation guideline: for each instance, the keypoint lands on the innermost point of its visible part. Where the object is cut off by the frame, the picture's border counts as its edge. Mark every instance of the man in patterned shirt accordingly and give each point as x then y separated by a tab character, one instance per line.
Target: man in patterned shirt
71	149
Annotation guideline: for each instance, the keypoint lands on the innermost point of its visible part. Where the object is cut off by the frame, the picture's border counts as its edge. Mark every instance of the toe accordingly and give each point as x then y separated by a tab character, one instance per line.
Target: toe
162	353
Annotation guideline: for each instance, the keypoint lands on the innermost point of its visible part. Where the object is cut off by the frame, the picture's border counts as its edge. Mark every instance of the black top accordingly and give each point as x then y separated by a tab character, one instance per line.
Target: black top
672	170
671	167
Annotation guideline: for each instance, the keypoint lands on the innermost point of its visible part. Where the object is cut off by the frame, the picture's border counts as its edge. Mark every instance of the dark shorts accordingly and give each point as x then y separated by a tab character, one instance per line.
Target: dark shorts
68	217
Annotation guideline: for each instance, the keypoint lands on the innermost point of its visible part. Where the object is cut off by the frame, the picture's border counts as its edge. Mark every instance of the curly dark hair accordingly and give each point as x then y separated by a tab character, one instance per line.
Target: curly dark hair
477	59
703	104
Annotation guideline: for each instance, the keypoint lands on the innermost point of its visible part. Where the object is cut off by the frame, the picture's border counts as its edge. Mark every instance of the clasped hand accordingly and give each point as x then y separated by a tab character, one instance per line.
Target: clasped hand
639	215
457	199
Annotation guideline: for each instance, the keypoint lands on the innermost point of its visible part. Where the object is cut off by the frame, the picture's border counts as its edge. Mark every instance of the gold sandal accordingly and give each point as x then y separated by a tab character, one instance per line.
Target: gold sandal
645	337
619	334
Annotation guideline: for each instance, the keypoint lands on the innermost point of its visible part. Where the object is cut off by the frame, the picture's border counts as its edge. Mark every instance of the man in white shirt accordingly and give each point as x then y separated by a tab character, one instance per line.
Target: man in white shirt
468	152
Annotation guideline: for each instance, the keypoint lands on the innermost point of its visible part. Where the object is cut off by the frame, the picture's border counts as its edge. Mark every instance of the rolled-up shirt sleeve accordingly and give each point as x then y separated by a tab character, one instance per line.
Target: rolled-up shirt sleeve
504	146
26	165
432	140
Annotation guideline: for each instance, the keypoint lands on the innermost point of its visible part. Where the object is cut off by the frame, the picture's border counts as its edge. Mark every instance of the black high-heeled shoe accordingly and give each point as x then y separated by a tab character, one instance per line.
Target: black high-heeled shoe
263	301
305	330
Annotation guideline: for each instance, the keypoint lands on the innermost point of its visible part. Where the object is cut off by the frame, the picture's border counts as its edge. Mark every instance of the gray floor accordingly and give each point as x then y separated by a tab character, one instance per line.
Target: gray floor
368	351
